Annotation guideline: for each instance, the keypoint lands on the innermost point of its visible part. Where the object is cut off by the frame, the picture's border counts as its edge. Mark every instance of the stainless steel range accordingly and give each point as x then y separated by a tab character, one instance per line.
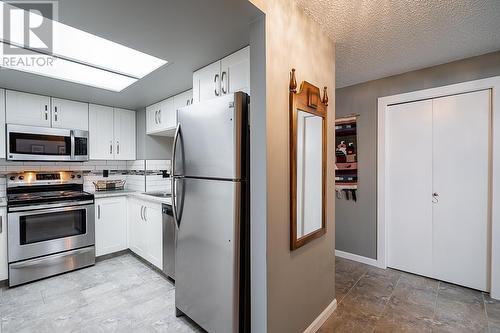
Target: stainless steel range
51	226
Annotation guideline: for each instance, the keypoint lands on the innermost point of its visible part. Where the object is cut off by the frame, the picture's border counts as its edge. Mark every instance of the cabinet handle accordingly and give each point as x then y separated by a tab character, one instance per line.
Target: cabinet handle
216	78
145	216
117	147
156	117
46	113
159	116
55	113
224	90
98	212
142	211
111	147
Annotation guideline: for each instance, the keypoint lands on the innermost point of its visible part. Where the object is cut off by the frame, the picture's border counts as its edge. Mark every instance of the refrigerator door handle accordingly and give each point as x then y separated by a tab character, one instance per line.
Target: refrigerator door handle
174	192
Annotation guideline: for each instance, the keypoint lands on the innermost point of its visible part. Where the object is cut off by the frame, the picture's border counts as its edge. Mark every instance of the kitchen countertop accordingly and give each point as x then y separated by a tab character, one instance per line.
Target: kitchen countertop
137	194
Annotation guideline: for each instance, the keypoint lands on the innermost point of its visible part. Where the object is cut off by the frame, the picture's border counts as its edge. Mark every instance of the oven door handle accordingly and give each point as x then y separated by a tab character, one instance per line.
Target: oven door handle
49	208
38	262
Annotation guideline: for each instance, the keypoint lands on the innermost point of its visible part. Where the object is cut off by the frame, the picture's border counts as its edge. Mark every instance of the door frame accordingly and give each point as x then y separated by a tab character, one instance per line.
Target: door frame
492	83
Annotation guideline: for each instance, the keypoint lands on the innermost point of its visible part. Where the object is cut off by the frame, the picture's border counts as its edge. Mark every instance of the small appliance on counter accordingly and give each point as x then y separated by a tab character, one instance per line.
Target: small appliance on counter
51	225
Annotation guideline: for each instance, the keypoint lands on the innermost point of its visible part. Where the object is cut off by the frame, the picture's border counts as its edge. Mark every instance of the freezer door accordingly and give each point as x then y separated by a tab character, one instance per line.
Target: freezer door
207	256
211	137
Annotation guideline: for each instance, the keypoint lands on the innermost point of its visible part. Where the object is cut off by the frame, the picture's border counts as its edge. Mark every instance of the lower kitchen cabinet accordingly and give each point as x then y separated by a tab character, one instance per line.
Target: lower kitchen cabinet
4	271
145	230
110	225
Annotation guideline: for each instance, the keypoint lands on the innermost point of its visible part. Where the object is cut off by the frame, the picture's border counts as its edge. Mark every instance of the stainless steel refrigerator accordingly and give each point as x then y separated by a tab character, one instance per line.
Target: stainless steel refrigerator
210	204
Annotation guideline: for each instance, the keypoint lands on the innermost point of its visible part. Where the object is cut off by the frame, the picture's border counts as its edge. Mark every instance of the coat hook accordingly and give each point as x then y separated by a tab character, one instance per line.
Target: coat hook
293	81
325	97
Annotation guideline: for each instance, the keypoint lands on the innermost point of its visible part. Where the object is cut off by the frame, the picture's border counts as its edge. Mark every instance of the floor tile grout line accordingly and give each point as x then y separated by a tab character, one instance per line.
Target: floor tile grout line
387	301
354	285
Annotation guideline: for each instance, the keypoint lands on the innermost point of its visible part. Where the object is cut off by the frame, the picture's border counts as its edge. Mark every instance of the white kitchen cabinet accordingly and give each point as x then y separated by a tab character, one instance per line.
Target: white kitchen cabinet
181	100
161	118
4	265
101	135
235	72
206	82
70	114
2	123
112	134
27	109
124	134
223	77
110	225
145	230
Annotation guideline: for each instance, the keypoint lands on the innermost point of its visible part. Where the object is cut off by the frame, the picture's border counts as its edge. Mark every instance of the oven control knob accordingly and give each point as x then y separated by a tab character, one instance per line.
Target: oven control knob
12	178
72	176
21	177
79	176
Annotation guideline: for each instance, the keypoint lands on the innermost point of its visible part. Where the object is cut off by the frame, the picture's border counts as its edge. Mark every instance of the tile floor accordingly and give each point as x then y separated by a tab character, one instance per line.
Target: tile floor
121	294
376	300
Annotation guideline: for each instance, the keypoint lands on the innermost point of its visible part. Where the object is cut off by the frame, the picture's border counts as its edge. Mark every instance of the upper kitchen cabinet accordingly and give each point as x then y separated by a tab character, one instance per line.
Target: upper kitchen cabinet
235	72
124	132
206	82
112	133
2	123
161	118
223	77
27	109
70	114
36	110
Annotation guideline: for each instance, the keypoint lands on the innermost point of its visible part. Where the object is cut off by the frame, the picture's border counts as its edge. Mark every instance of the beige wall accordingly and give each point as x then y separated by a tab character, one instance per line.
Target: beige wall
300	284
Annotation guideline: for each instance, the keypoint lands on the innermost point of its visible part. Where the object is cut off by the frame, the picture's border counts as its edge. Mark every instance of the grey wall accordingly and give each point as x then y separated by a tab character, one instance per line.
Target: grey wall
356	223
151	147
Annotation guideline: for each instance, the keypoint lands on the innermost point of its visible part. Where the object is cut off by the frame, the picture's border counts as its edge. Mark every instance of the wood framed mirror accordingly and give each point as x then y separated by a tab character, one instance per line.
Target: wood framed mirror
308	144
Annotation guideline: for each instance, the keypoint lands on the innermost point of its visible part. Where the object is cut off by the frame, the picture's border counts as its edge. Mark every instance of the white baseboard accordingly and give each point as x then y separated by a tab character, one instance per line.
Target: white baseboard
355	257
320	320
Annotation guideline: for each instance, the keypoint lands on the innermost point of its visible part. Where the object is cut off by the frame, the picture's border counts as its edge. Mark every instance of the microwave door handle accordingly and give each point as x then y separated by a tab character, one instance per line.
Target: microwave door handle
72	144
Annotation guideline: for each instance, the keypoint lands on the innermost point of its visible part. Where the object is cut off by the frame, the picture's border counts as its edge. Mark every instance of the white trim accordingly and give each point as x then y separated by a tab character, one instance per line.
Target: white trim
492	83
355	257
320	320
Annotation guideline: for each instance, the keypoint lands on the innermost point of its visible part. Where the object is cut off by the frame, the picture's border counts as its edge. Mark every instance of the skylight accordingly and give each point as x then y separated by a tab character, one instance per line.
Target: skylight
78	56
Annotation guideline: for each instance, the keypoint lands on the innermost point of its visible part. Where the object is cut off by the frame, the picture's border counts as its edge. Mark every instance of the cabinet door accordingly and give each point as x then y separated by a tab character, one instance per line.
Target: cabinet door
2	123
166	115
124	130
152	122
4	271
136	228
153	218
183	99
70	114
208	82
235	72
110	225
27	109
101	137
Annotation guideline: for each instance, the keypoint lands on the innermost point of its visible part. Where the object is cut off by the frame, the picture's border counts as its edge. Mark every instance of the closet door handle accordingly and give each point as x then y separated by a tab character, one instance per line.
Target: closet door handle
98	212
435	197
216	78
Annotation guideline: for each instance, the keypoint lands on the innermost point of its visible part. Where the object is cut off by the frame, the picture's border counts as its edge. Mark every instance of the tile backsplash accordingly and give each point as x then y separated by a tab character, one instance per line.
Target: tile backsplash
140	175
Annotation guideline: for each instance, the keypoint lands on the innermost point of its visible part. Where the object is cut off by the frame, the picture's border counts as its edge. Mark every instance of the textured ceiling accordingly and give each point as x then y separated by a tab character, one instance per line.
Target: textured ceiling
379	38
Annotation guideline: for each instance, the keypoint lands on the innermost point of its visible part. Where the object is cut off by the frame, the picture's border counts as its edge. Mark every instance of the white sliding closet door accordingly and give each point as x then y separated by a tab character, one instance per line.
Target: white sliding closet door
460	178
409	137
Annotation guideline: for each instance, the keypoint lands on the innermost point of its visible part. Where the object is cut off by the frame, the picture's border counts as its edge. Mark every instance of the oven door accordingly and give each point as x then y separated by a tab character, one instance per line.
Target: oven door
28	143
47	230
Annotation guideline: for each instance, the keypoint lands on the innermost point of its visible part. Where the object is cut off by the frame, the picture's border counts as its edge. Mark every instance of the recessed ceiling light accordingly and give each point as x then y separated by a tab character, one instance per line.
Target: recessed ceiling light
78	55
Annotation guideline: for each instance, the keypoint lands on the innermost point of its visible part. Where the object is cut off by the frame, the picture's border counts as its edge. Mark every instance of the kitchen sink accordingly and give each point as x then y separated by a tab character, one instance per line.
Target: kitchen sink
158	194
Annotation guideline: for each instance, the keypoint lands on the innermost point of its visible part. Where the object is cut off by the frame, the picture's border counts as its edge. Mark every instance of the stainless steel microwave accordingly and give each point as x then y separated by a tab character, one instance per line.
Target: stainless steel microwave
32	143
